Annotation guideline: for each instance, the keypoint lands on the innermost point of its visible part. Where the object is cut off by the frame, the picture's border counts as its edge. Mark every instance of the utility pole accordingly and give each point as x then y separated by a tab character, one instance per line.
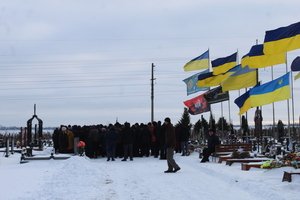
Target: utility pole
152	92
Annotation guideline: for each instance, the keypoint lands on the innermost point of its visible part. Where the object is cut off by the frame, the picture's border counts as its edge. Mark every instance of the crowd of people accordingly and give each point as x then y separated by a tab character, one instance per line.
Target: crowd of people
117	140
127	141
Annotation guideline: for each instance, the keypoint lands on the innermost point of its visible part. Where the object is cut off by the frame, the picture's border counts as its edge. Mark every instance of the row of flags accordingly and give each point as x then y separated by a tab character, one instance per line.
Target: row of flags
227	75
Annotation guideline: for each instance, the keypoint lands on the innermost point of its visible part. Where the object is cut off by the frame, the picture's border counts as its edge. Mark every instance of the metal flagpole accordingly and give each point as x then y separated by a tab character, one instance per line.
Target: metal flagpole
209	69
293	108
222	118
273	105
229	108
288	102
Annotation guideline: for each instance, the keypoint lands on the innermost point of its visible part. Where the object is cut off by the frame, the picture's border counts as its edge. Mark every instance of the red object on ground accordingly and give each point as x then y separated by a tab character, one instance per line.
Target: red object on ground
81	144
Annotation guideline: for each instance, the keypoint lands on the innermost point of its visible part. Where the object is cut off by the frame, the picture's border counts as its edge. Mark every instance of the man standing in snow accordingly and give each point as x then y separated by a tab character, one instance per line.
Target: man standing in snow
170	144
111	140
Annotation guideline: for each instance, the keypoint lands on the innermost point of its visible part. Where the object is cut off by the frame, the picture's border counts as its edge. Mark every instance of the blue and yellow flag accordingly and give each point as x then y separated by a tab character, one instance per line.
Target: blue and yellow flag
210	80
243	102
296	64
222	65
242	78
282	39
273	91
191	83
201	62
244	60
257	59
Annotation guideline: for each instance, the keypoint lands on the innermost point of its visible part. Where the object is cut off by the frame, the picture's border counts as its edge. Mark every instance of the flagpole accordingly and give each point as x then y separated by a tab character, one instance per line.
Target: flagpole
293	108
288	102
229	108
259	134
222	117
209	69
247	134
273	105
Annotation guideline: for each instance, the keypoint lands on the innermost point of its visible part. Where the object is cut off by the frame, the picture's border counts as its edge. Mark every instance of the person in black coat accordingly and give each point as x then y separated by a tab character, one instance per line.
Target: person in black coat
111	140
184	136
55	139
127	139
93	138
212	141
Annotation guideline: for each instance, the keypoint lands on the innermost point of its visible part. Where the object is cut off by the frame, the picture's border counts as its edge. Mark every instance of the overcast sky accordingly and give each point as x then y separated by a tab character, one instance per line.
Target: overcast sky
89	61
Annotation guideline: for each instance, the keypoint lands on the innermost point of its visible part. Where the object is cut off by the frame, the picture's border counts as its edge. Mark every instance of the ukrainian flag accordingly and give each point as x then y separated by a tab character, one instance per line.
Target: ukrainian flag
243	102
282	39
244	60
257	59
201	62
222	65
209	80
242	78
273	91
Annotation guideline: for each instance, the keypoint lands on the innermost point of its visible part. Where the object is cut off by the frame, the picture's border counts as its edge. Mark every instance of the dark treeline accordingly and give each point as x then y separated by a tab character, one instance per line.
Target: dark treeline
119	140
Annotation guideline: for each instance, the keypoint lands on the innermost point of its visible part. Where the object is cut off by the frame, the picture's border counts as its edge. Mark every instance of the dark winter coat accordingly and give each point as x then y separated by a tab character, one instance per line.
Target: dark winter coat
212	141
111	137
127	135
170	135
184	134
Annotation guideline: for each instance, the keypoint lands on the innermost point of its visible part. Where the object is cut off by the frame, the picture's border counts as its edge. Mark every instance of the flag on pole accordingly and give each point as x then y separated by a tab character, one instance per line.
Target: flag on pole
216	95
282	39
201	62
257	59
242	78
273	91
243	102
210	80
191	83
197	105
296	64
222	65
244	60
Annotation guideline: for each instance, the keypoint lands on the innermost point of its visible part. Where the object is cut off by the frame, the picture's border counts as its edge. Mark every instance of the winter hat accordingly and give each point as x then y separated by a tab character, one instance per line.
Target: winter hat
167	119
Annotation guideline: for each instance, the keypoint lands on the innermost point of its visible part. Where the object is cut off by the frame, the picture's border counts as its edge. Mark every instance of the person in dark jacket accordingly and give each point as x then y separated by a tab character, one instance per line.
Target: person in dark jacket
110	141
184	138
170	144
212	141
127	139
55	139
93	138
145	140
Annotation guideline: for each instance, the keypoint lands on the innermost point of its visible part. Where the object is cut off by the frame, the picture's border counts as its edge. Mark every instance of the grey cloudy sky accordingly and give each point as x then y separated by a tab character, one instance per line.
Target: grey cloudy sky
89	61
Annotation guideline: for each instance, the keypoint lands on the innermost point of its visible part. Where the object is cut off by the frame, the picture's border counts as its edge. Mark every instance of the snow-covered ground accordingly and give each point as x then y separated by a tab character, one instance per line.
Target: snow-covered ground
141	179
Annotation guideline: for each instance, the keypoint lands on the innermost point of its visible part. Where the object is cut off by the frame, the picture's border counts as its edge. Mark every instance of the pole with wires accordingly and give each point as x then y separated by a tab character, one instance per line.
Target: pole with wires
152	92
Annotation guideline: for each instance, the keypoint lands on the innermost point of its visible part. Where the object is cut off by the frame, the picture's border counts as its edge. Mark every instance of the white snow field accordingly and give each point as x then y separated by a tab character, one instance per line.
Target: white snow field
142	179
